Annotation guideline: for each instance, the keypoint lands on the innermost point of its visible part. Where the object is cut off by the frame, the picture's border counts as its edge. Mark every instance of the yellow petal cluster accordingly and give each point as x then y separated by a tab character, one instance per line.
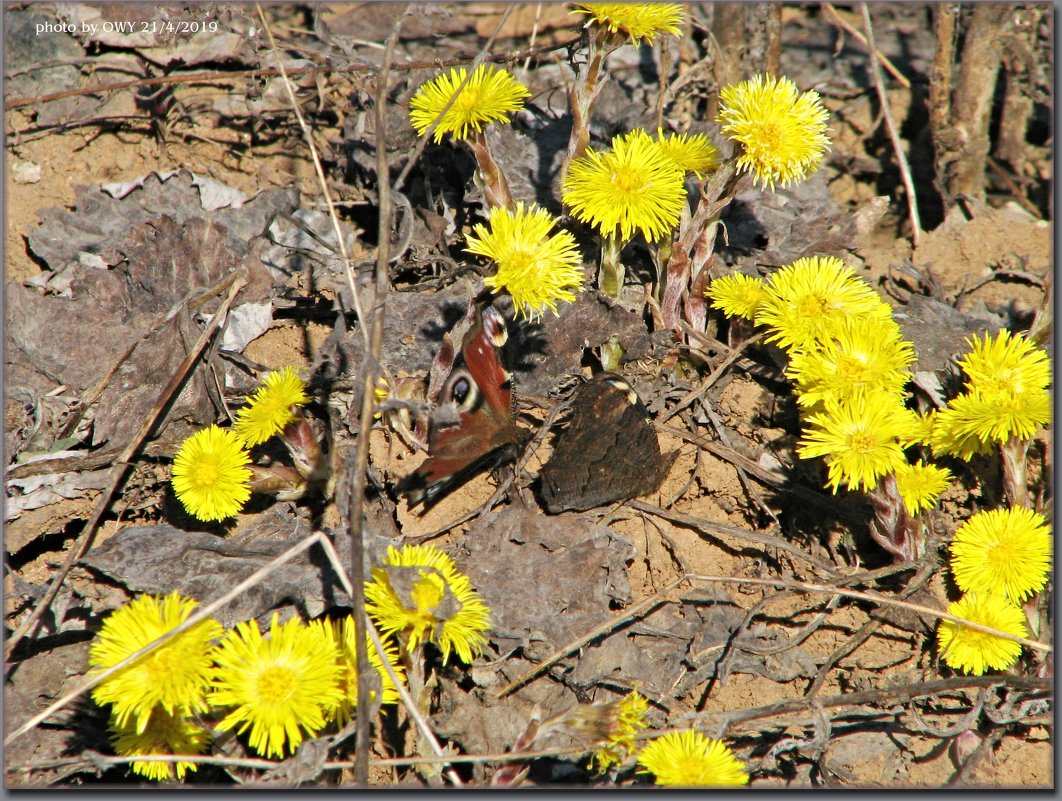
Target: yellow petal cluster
782	132
491	95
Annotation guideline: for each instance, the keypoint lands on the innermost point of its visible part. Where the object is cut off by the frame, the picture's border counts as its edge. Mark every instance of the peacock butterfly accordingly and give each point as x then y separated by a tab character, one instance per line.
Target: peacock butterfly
471	425
608	452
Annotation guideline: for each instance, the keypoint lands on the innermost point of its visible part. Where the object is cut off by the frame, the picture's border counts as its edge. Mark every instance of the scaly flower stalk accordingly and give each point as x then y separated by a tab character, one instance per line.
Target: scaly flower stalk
611	272
893	527
536	268
607	28
495	184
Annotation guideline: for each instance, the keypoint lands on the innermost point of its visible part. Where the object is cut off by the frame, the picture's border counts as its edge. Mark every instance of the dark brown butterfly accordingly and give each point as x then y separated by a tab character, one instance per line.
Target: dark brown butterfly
471	426
608	452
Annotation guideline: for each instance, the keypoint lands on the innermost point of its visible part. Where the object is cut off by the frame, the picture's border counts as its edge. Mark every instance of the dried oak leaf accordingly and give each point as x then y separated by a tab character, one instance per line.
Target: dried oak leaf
547	580
159	559
165	262
32	685
123	259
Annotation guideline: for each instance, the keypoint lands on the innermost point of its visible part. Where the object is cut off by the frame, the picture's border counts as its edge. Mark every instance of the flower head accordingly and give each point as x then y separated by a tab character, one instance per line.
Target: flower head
807	299
1005	365
419	593
782	132
689	759
972	423
536	269
490	95
633	187
690	152
210	474
173	677
737	294
164	735
278	685
859	438
973	651
864	353
342	633
1002	552
269	410
638	20
608	728
921	484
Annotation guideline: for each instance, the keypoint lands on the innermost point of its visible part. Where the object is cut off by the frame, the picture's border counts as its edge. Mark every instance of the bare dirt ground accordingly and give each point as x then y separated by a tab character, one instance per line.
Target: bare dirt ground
222	114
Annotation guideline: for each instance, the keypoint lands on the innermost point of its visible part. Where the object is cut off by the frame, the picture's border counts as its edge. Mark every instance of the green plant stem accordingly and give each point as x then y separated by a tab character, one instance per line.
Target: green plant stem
610	274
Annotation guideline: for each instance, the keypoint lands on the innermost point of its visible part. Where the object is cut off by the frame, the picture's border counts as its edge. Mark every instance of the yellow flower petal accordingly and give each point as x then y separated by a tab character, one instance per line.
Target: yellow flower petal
782	132
490	95
535	268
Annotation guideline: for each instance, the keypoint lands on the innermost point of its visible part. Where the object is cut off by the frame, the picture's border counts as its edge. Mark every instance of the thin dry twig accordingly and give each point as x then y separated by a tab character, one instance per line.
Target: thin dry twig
370	365
884	59
410	703
234	282
784	583
890	695
228	77
703	525
638	609
877	598
894	132
690	397
348	267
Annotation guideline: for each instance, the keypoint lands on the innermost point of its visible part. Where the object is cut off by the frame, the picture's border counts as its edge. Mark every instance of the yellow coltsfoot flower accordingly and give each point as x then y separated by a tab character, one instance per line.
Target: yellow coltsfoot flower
806	300
737	294
637	20
860	439
537	269
782	132
164	735
342	634
210	474
920	485
491	95
269	410
1002	552
690	152
419	595
689	759
632	188
1005	364
173	677
973	651
609	728
862	353
278	687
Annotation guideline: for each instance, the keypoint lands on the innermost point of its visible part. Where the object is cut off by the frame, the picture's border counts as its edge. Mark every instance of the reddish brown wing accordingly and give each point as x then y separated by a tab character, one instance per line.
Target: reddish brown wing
472	426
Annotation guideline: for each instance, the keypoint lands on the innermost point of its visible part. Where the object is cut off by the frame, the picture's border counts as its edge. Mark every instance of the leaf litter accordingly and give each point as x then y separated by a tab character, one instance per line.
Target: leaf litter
118	299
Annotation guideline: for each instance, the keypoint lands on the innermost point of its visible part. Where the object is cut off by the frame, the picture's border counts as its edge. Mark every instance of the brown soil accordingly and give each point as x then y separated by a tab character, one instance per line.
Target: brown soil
955	262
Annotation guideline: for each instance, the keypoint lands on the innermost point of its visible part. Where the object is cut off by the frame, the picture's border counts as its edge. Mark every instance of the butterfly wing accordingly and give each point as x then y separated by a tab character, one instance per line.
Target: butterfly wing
472	427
